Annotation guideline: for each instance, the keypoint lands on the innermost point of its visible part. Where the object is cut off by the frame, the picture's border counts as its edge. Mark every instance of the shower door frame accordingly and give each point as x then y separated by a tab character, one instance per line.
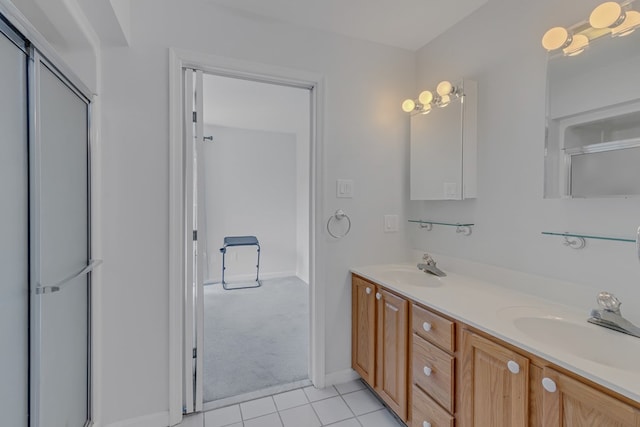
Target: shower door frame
230	67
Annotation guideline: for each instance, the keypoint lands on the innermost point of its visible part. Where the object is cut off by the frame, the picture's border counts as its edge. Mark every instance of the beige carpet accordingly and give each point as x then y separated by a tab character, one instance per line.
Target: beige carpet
255	338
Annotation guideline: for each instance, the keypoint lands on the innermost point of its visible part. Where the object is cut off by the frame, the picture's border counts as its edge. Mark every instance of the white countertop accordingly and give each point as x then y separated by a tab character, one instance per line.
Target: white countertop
493	308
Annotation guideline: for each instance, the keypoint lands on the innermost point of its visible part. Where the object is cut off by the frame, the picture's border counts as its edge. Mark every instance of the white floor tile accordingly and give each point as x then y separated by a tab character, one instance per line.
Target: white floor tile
290	399
257	408
300	416
362	402
315	394
379	419
349	387
222	417
194	420
351	422
271	420
332	410
236	425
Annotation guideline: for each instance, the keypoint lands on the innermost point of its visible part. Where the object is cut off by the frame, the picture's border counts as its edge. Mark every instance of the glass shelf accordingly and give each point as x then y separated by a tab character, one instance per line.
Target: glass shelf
588	236
460	227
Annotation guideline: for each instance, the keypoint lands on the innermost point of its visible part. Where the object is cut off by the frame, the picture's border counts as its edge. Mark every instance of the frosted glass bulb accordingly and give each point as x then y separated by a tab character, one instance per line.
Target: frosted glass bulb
555	38
577	46
425	97
606	15
408	105
630	23
444	88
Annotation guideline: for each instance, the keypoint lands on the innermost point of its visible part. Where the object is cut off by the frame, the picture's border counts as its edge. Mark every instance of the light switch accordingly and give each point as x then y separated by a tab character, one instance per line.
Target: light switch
344	188
391	223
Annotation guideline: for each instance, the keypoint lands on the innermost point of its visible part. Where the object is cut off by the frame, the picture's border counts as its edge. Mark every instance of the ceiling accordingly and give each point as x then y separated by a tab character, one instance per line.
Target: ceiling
408	24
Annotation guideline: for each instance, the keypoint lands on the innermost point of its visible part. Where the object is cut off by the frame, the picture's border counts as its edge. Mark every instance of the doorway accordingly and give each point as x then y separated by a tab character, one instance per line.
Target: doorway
189	71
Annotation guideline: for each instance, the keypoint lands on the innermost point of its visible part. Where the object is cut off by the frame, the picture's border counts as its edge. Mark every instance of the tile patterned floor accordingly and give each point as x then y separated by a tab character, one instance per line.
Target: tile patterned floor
345	405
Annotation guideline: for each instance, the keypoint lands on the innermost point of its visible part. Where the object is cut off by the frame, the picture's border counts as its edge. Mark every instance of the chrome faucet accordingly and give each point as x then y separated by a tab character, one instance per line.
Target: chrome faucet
609	315
429	266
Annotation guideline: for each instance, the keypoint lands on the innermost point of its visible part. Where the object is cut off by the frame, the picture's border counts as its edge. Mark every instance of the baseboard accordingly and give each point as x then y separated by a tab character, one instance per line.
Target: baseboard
340	377
243	277
152	420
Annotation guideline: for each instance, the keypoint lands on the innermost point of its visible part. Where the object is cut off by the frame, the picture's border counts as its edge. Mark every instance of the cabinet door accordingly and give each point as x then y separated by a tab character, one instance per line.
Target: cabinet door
363	329
391	356
495	384
571	403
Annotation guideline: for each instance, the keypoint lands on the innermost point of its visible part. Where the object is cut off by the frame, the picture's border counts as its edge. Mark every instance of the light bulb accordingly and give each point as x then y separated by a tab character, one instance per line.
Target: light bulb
444	101
425	97
630	23
577	46
607	15
408	105
556	38
444	88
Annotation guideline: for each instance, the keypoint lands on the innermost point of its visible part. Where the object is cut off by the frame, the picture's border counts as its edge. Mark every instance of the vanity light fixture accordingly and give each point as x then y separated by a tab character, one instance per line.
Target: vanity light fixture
615	19
445	93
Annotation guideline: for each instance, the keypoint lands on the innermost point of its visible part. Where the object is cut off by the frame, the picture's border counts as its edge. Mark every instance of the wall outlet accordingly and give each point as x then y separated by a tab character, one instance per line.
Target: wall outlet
391	223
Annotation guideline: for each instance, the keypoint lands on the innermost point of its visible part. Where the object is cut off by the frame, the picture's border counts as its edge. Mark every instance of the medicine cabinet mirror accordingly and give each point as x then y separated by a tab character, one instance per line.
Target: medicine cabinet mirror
443	149
593	120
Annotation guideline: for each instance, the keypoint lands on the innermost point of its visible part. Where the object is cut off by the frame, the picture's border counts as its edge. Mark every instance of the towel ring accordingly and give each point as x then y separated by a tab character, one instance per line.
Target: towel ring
339	215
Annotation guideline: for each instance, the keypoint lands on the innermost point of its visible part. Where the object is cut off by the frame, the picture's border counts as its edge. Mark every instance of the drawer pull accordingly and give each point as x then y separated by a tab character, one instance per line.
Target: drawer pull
426	326
513	367
368	291
549	385
378	295
427	371
426	424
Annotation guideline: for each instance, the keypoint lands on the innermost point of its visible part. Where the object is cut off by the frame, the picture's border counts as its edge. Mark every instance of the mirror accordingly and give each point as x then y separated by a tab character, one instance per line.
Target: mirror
593	120
443	149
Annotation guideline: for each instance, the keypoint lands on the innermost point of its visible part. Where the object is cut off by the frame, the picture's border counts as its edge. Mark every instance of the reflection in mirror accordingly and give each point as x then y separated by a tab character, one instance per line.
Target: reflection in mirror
593	120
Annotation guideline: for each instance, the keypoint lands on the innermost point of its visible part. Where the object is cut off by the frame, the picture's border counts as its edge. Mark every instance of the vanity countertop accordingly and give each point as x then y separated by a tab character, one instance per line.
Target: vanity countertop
555	332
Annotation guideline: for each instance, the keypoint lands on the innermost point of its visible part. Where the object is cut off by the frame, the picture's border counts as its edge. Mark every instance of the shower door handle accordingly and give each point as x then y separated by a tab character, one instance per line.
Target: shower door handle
60	284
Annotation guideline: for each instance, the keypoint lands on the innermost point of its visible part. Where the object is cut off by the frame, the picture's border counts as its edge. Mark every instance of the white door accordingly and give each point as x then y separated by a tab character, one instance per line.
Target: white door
14	231
195	256
60	256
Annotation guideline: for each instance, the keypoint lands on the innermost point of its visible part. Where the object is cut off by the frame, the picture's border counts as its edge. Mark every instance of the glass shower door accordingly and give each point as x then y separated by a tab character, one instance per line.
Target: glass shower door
60	254
14	231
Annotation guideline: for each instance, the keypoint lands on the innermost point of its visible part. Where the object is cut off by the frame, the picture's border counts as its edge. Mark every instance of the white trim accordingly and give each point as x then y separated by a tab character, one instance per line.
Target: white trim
262	72
341	377
152	420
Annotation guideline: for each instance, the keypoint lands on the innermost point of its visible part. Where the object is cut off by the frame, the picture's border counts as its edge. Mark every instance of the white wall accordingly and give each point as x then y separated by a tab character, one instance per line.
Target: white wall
365	139
499	47
250	189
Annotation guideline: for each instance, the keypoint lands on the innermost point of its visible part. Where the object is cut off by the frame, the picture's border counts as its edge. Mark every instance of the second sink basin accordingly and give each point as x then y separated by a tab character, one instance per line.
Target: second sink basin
584	340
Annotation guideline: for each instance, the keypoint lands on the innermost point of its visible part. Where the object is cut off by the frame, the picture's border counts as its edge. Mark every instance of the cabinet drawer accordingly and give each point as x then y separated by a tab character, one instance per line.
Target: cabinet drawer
426	413
433	327
433	371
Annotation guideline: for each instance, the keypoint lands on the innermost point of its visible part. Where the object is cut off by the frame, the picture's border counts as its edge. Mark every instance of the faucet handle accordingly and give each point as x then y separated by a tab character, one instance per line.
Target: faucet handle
608	301
428	259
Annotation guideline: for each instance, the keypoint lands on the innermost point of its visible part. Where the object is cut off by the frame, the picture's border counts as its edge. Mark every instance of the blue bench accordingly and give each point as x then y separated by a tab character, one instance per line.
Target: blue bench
231	241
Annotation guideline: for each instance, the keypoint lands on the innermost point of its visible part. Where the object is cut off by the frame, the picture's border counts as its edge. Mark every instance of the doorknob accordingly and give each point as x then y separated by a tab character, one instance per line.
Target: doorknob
378	295
513	367
368	290
549	385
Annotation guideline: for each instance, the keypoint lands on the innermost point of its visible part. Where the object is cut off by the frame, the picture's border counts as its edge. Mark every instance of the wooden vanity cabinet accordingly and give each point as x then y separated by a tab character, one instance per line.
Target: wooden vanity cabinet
380	330
494	384
568	402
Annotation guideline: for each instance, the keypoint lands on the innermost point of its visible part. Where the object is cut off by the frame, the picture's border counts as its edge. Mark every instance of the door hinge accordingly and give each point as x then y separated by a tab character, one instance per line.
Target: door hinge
195	235
195	117
195	353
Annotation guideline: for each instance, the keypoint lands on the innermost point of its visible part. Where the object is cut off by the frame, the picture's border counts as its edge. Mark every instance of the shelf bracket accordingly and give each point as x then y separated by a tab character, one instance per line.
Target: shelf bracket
426	226
575	242
463	229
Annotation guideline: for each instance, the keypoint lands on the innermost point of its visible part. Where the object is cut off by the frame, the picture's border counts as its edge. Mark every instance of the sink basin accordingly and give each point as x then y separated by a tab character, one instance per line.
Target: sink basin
580	339
409	276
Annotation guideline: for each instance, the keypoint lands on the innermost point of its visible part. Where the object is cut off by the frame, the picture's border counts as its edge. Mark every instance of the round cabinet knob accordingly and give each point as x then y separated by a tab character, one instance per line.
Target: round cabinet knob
513	367
426	424
549	385
427	371
426	326
368	291
378	295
